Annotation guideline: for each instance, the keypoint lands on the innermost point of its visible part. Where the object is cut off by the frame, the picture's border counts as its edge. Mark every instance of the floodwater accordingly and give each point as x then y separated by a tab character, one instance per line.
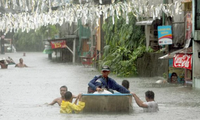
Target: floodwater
25	92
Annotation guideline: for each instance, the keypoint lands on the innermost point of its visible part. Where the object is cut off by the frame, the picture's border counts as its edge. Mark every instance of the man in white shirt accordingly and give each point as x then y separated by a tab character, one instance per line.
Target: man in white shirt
150	105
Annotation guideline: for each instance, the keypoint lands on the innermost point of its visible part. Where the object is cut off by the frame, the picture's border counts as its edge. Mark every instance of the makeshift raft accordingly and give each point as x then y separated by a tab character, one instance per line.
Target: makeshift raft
104	103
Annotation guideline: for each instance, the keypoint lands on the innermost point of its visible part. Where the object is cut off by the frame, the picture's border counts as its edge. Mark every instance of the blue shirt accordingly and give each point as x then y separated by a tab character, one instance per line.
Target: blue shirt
99	81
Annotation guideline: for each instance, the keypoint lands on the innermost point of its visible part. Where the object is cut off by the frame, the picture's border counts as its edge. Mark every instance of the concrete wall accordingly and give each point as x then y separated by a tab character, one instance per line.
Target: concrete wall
196	64
196	82
150	66
196	49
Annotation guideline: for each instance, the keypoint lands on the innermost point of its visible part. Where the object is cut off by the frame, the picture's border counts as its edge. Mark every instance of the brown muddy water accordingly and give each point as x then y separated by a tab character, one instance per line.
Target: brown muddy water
24	92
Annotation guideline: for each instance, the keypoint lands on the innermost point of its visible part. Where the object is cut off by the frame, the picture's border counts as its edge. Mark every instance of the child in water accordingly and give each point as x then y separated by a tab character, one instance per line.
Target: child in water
125	83
68	107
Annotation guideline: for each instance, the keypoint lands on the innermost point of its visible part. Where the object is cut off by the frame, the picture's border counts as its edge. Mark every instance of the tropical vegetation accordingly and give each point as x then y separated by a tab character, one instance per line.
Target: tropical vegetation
124	43
34	39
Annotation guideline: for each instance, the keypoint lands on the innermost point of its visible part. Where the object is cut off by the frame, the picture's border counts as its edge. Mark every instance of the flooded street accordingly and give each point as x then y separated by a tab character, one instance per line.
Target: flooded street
25	92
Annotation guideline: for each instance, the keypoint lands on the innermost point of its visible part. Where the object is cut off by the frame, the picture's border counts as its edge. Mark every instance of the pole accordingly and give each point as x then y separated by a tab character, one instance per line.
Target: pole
74	51
2	45
163	14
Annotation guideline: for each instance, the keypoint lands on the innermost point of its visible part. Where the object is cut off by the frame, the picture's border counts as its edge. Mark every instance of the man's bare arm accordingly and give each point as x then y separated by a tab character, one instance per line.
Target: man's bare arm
74	96
54	101
138	101
16	65
77	98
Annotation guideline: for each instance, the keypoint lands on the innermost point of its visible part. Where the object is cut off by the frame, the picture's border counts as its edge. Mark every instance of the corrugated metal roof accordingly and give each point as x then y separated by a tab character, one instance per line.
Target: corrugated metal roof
171	55
147	22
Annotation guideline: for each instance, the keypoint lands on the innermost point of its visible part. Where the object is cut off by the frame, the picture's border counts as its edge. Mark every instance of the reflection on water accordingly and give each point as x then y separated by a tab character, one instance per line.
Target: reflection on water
26	91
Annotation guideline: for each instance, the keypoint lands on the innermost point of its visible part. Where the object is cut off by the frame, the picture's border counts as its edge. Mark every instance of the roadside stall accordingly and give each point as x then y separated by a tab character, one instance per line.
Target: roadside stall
180	66
64	49
180	61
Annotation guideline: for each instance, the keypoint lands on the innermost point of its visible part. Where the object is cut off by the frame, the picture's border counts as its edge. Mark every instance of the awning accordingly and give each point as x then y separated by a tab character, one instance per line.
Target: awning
186	50
147	22
171	55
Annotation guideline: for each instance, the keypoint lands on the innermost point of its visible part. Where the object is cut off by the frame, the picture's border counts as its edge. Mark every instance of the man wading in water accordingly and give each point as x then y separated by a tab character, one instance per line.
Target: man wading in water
63	90
21	64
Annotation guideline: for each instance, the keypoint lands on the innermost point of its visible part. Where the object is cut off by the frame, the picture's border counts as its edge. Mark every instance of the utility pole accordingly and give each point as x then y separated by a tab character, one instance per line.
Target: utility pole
2	44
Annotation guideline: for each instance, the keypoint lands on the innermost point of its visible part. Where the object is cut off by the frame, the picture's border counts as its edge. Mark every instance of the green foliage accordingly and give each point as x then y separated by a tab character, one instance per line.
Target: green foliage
165	75
33	40
124	44
48	31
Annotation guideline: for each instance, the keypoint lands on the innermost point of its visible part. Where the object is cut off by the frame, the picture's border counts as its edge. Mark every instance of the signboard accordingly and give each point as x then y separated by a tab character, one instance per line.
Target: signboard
182	61
58	44
164	35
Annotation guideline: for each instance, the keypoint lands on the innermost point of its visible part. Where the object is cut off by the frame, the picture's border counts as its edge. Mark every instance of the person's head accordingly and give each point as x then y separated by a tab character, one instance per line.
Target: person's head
149	95
21	60
174	77
105	71
125	83
68	96
63	90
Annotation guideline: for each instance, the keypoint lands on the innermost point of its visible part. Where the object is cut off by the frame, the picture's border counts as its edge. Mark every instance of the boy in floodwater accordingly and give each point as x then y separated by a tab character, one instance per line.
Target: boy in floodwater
68	107
125	83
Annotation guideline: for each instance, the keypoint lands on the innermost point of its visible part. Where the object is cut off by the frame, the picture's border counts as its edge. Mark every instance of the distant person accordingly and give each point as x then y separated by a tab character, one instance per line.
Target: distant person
174	78
125	83
21	64
68	107
3	64
150	105
105	82
63	90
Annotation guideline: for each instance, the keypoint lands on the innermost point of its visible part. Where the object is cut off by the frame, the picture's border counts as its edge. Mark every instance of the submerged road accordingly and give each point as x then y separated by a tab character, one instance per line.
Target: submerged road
24	92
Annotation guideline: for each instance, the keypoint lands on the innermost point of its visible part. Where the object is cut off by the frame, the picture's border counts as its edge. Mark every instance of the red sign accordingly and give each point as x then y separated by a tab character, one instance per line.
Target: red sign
58	44
182	61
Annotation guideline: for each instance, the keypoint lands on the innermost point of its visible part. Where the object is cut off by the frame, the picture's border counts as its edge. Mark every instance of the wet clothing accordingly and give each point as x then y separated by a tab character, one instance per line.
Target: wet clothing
152	106
109	83
68	107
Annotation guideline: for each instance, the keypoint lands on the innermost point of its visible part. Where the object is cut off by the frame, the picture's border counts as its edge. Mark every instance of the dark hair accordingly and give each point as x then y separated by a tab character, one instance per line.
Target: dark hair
173	74
149	94
68	95
64	87
125	83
